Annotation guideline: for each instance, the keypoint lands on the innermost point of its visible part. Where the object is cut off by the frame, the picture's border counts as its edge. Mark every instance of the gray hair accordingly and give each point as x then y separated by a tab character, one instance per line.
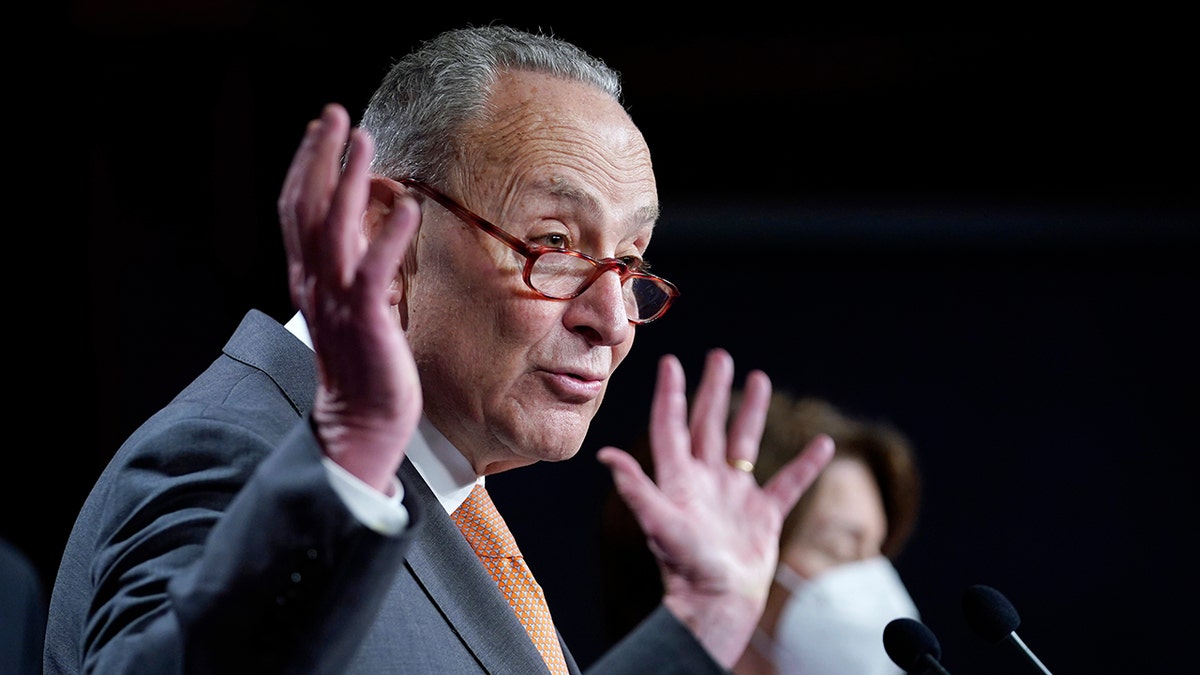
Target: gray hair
417	112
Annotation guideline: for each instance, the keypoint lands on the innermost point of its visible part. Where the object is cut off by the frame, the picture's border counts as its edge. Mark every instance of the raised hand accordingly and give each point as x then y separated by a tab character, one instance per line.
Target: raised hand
713	529
342	278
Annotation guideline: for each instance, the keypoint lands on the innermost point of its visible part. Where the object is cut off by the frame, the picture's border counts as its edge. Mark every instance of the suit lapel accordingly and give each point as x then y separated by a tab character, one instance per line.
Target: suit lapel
445	566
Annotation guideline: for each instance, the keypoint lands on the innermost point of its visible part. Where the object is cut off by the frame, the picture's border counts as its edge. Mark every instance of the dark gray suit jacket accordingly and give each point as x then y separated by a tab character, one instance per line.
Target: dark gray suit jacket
214	543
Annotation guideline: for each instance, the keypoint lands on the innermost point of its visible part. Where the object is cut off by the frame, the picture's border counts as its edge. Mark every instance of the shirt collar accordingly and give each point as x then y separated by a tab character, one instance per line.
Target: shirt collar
445	470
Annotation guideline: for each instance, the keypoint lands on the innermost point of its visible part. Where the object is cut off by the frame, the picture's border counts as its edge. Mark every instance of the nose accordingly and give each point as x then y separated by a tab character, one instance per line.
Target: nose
599	312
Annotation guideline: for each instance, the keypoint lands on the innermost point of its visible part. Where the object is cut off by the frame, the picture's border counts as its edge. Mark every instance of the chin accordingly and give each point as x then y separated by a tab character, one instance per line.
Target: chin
555	447
563	453
543	431
558	442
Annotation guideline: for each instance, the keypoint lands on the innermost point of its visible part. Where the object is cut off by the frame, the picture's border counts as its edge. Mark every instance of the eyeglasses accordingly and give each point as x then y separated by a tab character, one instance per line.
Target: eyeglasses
561	273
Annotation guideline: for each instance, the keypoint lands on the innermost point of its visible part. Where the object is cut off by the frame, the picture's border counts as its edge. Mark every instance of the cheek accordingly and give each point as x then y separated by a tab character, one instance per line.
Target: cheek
622	350
448	319
482	333
455	288
802	551
806	562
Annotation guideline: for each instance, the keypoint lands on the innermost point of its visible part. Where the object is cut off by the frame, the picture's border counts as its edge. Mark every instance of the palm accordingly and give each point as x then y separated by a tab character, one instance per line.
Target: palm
713	529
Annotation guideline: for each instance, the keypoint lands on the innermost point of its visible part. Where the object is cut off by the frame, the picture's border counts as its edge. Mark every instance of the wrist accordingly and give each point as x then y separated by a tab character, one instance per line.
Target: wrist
722	623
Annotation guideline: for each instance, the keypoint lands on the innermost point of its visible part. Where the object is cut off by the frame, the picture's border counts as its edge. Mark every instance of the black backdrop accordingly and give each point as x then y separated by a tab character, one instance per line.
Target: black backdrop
982	231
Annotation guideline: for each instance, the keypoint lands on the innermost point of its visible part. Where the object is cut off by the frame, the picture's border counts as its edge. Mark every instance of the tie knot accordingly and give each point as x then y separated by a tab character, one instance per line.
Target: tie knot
483	527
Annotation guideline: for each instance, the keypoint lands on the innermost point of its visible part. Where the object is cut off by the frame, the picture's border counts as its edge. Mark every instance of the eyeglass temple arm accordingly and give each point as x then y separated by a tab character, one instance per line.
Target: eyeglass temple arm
508	240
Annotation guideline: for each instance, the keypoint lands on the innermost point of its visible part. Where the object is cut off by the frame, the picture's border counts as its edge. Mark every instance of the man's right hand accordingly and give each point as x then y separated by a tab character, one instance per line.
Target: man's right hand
368	399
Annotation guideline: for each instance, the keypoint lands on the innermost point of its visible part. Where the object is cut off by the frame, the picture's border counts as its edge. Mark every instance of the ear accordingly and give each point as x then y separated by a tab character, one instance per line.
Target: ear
382	199
380	202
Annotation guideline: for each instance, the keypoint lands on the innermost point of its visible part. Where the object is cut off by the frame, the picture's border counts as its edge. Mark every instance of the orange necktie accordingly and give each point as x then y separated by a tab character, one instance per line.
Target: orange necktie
487	533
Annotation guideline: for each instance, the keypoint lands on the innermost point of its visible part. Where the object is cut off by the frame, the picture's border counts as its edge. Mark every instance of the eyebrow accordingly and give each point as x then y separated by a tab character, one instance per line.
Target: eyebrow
557	186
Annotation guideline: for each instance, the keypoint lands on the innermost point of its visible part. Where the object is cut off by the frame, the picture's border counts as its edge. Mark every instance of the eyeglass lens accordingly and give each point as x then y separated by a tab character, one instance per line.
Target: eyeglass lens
563	275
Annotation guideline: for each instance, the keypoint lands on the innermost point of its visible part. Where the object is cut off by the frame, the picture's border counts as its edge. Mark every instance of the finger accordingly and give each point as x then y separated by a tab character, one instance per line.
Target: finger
634	487
710	409
745	433
786	486
287	216
304	201
669	438
345	241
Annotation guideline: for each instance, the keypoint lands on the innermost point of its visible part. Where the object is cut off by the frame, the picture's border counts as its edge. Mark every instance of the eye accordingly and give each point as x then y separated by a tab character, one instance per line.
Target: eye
838	545
553	240
634	263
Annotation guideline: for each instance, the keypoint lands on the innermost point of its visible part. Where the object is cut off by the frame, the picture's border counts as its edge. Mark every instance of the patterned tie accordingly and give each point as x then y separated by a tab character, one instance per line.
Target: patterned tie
487	533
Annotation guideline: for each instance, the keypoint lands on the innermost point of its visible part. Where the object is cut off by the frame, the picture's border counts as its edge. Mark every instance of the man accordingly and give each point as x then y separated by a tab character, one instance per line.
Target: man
287	513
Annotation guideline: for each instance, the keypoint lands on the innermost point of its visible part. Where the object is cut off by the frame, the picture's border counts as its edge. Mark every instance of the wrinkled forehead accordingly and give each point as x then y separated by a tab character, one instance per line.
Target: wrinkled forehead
540	128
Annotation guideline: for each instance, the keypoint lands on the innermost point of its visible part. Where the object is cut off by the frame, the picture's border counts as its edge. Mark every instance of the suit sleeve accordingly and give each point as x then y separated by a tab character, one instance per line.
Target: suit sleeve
214	561
659	645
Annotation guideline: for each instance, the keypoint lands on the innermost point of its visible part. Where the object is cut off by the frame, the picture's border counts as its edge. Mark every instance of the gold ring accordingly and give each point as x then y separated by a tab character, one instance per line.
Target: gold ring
741	464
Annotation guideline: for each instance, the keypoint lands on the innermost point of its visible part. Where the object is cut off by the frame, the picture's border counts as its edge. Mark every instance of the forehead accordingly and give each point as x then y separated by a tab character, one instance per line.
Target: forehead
847	493
561	137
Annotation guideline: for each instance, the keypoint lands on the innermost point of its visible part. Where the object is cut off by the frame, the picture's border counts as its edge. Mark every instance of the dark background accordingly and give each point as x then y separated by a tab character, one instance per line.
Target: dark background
981	229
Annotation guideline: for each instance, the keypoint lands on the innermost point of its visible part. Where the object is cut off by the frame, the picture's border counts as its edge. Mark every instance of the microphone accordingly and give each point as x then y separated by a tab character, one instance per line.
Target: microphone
912	646
993	618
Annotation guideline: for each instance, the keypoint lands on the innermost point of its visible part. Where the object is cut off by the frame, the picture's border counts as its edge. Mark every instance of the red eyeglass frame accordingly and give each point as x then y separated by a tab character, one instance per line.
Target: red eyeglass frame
531	252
